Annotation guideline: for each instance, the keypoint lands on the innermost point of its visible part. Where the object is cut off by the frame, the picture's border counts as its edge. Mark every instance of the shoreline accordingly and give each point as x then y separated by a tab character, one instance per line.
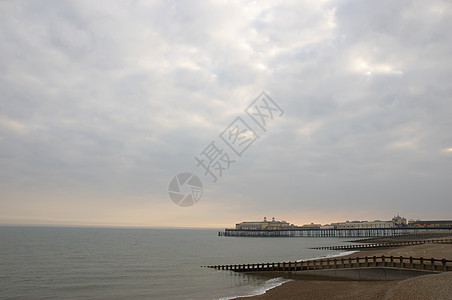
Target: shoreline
262	290
435	286
341	254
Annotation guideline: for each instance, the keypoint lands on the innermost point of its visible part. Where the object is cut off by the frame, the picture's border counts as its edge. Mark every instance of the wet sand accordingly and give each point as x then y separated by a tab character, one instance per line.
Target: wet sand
435	286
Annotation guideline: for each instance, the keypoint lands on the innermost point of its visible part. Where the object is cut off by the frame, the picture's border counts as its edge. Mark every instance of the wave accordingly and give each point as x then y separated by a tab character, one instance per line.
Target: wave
275	282
268	285
328	256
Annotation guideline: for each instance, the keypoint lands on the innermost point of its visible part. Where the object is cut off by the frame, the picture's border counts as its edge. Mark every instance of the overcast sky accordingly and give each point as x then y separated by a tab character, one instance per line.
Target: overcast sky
102	103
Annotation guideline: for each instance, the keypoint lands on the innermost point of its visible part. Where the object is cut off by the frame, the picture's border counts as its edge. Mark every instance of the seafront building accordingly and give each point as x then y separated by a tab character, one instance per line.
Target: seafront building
359	229
364	224
395	222
431	224
265	225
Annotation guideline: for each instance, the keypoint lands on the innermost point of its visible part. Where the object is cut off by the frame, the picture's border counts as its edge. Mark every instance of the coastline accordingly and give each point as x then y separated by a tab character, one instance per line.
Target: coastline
279	281
435	286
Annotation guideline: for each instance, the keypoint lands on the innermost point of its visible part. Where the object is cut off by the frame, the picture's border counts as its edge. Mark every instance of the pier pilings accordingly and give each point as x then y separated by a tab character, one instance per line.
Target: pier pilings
355	233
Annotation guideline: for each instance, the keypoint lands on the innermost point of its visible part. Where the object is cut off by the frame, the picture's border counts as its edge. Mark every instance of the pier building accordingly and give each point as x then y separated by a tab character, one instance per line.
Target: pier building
395	227
396	222
264	225
431	224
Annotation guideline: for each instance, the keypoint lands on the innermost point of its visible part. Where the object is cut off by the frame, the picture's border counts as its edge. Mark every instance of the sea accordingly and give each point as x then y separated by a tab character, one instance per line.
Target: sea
140	263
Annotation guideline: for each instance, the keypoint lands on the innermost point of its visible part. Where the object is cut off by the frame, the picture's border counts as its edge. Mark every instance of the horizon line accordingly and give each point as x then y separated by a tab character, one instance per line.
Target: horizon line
105	226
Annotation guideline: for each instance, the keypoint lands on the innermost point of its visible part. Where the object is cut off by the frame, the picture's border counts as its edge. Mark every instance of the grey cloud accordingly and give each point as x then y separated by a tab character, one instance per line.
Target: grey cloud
123	97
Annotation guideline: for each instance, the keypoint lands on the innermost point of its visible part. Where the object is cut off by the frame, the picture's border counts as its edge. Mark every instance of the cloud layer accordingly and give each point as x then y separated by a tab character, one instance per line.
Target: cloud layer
102	104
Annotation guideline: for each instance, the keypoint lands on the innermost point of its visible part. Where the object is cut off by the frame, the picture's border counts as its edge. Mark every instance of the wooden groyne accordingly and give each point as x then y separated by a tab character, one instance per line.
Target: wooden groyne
310	232
410	263
405	237
384	245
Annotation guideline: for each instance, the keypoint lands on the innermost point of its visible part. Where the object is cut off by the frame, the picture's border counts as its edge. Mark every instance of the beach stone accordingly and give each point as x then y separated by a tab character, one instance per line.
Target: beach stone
434	287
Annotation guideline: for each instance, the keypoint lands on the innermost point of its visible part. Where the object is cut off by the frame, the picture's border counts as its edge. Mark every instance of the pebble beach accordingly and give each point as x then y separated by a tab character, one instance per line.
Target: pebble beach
434	286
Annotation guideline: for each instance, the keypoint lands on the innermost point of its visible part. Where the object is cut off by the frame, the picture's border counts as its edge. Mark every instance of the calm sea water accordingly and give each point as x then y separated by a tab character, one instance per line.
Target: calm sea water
113	263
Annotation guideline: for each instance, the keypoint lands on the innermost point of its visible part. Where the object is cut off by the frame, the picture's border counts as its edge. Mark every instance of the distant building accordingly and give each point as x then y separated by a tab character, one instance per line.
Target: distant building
397	221
311	226
431	224
264	225
327	226
363	224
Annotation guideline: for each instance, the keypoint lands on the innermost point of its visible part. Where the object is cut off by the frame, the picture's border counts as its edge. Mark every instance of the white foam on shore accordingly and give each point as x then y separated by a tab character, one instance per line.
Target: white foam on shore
275	282
268	285
329	256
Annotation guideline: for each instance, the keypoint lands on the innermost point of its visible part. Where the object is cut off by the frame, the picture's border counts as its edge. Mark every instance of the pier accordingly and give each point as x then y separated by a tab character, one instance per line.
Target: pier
311	232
